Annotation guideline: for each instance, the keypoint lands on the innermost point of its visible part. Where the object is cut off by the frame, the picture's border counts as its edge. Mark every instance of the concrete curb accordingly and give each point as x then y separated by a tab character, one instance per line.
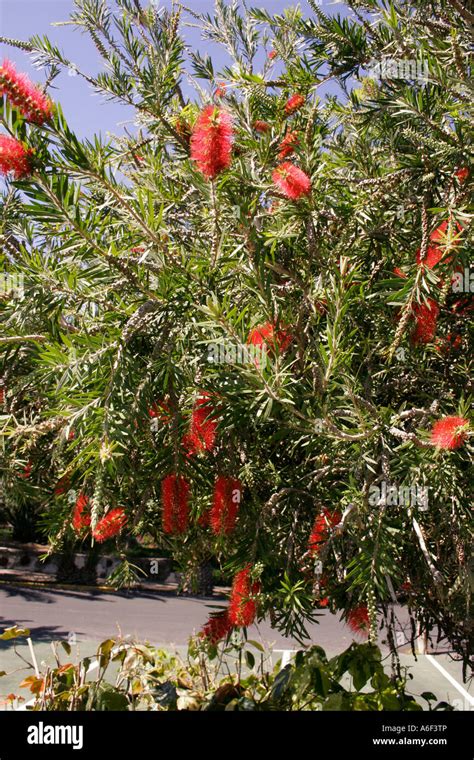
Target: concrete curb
47	583
26	559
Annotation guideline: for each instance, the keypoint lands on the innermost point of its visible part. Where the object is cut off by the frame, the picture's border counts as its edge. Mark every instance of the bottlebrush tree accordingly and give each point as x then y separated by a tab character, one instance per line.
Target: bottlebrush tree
241	328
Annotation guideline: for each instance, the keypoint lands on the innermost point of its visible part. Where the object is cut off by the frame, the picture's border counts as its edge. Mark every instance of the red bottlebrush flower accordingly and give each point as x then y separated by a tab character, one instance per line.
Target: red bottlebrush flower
436	253
323	601
161	410
399	272
320	532
462	306
358	621
426	321
225	505
62	485
267	335
211	141
175	499
261	126
2	394
242	602
272	54
221	89
22	93
204	519
462	174
14	157
451	342
188	445
291	180
202	432
110	525
26	470
80	518
288	145
294	103
217	627
449	432
439	235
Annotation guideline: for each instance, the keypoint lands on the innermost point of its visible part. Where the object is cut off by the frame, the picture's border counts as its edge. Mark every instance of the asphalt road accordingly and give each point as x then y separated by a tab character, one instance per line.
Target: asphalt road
88	617
158	618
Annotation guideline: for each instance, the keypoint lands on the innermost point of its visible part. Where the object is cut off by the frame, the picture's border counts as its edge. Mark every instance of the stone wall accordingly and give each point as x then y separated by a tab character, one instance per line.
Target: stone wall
26	558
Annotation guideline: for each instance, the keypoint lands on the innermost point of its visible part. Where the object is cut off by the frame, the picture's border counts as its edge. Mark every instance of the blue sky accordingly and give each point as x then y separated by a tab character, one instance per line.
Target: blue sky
87	112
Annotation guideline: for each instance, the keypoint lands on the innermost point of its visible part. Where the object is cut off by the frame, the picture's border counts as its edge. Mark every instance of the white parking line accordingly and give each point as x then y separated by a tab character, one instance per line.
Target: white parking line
285	656
449	678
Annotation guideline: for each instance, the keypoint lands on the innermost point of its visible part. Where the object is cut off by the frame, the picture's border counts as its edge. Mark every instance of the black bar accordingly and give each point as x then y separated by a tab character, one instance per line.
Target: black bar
137	734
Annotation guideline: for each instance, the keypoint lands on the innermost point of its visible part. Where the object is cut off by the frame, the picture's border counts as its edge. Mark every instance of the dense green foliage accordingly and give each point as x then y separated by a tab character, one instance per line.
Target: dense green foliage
134	266
243	677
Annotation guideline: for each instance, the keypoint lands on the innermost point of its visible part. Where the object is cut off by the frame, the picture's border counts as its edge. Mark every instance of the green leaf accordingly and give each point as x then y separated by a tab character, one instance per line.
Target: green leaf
249	659
108	698
14	632
256	644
